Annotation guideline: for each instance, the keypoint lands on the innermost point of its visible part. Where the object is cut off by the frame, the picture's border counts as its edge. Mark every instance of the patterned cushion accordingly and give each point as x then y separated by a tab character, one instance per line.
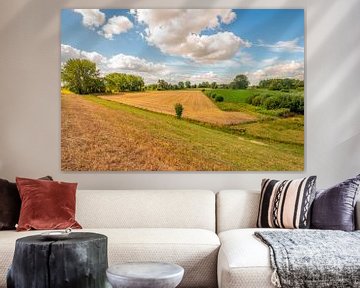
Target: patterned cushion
286	204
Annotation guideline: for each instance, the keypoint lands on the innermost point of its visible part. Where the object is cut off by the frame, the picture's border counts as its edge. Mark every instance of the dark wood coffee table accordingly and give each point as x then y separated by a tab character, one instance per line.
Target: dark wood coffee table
78	261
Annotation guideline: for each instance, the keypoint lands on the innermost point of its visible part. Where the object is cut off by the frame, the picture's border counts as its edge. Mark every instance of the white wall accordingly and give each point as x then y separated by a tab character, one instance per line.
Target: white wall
30	100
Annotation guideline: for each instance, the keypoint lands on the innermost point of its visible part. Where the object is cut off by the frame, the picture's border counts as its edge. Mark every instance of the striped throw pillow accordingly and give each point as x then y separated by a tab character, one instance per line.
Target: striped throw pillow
286	204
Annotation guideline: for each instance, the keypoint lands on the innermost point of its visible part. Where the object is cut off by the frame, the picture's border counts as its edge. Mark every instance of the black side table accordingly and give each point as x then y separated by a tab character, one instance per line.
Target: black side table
80	261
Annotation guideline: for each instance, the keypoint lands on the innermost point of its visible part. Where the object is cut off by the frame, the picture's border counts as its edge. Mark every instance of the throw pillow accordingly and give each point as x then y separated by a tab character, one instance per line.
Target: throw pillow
10	204
46	204
334	208
286	204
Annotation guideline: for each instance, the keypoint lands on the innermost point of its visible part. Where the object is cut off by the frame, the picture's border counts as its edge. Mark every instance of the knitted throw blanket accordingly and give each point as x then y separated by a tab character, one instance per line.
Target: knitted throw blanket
313	258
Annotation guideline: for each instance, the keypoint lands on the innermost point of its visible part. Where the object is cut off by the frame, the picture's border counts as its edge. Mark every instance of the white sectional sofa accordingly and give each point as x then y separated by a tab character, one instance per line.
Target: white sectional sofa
177	226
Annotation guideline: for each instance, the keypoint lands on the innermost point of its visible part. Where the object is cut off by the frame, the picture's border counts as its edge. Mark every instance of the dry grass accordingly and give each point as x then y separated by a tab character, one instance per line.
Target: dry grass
196	105
100	135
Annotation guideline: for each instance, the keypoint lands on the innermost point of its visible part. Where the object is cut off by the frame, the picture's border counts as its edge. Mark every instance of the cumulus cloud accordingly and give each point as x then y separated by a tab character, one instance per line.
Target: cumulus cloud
69	52
132	63
92	18
178	32
292	69
117	63
203	77
116	25
284	46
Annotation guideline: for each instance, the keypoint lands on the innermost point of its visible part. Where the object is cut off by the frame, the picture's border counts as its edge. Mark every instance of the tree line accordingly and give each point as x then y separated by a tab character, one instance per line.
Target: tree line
281	84
81	76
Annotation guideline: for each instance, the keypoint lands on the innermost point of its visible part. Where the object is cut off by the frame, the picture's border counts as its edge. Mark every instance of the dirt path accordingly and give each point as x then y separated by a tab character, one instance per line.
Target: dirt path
196	105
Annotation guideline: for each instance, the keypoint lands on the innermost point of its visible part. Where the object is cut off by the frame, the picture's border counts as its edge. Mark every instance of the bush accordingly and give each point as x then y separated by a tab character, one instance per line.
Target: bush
272	103
202	90
219	99
178	110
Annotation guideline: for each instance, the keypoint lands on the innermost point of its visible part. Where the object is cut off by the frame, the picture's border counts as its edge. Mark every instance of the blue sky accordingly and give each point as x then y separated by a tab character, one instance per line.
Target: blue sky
188	44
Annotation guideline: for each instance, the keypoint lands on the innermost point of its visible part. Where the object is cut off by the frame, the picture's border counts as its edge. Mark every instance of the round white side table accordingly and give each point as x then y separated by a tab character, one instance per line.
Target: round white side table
145	275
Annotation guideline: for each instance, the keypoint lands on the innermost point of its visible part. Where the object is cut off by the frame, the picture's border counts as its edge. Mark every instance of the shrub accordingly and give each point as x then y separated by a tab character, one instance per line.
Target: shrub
272	103
219	99
203	90
257	101
178	110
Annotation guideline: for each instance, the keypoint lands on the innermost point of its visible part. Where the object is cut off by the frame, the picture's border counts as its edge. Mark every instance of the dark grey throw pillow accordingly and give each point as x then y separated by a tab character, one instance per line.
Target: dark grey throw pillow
334	208
10	204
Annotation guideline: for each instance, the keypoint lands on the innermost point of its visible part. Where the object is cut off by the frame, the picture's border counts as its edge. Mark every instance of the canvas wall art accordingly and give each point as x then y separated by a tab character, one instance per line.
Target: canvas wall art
182	89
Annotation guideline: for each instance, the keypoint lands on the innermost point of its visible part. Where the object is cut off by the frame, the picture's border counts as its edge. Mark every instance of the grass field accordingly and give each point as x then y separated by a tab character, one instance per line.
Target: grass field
240	95
196	105
100	135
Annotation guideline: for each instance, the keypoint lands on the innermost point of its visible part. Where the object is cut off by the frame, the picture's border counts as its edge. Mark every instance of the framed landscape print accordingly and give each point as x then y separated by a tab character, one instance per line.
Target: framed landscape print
182	89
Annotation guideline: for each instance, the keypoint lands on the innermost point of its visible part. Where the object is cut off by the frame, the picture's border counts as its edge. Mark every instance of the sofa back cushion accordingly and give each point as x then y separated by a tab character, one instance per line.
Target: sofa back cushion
146	209
236	209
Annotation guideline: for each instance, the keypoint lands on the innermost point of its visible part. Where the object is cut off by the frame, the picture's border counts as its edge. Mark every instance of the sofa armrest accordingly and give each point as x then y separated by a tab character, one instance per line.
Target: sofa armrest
357	215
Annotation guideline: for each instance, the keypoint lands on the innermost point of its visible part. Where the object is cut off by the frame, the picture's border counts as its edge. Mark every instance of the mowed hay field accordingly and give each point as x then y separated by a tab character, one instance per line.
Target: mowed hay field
196	105
102	135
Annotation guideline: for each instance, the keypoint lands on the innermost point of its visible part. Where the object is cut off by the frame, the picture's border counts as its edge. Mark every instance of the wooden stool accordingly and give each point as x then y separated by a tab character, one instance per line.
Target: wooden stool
78	261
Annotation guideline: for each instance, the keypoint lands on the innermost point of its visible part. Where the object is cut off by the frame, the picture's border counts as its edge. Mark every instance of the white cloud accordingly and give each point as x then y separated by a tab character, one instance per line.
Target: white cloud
204	77
116	25
292	69
283	46
92	18
132	63
117	63
178	32
68	52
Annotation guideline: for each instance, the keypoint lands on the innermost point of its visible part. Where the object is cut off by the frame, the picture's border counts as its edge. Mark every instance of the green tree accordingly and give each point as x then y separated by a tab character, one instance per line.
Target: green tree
81	76
214	85
187	84
116	82
178	110
240	82
181	85
162	85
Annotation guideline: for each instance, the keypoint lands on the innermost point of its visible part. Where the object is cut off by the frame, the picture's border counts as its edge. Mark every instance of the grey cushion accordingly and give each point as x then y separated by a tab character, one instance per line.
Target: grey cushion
334	208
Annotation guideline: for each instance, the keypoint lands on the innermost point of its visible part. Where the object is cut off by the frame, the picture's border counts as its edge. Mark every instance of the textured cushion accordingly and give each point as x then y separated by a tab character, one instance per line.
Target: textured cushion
334	208
236	209
286	204
10	204
244	261
194	249
146	209
46	204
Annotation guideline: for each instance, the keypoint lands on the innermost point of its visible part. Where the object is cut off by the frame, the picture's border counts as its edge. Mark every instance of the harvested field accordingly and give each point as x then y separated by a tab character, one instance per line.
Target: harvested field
196	105
100	135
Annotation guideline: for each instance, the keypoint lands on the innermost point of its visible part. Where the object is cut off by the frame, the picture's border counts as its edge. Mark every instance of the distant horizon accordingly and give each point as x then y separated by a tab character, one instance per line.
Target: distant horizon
207	45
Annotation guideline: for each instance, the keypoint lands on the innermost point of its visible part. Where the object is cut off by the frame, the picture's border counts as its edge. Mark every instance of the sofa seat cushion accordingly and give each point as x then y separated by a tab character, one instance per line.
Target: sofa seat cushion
194	249
244	261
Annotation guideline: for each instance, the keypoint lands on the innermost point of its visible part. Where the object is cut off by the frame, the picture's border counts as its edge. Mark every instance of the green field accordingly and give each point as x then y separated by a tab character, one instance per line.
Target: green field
269	126
234	96
240	95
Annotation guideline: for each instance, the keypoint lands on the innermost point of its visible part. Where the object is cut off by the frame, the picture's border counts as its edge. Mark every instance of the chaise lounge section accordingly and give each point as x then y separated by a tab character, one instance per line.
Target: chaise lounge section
244	260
